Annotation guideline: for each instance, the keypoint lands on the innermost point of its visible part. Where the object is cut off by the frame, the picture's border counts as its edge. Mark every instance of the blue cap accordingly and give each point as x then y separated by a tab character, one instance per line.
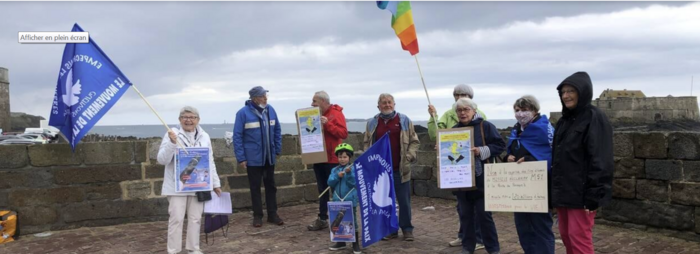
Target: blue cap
257	91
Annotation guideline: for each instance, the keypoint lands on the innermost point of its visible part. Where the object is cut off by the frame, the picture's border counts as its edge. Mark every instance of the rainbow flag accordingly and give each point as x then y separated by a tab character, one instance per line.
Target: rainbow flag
402	22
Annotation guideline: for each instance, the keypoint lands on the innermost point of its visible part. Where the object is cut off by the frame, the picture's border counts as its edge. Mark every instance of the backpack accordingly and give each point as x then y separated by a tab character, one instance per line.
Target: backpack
9	227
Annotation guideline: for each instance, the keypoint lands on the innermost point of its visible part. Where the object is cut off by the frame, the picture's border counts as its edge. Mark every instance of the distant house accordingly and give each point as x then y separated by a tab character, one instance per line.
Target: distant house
614	94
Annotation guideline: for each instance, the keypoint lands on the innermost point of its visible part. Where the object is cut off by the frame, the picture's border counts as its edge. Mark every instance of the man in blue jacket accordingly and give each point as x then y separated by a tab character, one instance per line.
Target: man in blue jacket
257	140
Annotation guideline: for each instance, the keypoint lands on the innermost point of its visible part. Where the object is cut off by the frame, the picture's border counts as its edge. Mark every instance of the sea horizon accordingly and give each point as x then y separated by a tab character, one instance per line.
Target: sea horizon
219	130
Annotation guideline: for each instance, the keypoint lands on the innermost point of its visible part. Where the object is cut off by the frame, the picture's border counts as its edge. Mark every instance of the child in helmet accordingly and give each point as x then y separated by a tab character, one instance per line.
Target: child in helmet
342	182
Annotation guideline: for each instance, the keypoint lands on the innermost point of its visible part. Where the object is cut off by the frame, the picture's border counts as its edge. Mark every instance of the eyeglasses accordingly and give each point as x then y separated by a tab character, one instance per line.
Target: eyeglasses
189	117
569	91
463	110
461	95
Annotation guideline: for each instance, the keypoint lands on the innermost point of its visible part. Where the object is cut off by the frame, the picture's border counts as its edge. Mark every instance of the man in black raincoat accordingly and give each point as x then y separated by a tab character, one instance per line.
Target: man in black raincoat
582	163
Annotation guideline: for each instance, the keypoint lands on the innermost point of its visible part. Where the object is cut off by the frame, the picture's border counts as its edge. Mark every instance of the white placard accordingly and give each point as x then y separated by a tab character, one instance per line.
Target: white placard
513	187
310	130
455	159
219	205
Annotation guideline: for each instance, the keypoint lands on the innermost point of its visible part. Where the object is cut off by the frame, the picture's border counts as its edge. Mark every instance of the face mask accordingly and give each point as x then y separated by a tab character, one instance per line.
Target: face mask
262	105
524	117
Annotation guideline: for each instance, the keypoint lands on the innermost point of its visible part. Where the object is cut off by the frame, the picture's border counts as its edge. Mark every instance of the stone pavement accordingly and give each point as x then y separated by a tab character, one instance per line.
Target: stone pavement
433	229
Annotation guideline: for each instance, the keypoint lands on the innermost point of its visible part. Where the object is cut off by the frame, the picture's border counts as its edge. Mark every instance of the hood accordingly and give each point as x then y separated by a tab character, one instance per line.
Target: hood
334	107
582	82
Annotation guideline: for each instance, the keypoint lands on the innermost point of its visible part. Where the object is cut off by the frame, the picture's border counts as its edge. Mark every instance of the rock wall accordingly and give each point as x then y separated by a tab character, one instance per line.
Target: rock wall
649	110
4	100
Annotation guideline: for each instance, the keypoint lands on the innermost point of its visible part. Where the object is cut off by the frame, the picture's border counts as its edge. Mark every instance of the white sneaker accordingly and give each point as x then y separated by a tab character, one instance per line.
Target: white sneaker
456	242
195	252
479	246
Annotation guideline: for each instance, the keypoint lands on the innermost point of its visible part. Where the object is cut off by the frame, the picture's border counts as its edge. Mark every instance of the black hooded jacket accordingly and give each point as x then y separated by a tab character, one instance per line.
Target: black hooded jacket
582	156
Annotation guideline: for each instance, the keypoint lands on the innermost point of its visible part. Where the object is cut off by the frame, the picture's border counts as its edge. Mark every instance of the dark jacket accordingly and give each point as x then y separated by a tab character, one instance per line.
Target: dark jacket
257	136
494	142
582	159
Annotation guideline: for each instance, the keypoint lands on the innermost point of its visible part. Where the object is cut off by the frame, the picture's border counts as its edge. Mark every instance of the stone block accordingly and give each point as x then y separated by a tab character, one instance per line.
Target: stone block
419	172
356	141
13	156
26	178
650	213
663	169
37	215
290	195
153	147
243	200
650	145
138	190
435	192
623	146
425	143
99	210
623	188
290	145
652	190
97	174
289	163
32	197
691	171
697	221
283	179
111	191
141	151
224	167
53	155
629	168
238	182
154	171
420	188
157	187
685	193
304	177
311	192
107	152
221	149
4	199
684	145
427	158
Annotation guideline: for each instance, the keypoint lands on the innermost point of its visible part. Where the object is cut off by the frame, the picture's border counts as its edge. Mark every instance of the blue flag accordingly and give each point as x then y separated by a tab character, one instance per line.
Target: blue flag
375	188
88	86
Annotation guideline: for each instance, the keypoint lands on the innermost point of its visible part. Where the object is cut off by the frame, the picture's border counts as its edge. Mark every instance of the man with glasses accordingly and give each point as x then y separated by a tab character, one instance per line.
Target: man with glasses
257	140
447	121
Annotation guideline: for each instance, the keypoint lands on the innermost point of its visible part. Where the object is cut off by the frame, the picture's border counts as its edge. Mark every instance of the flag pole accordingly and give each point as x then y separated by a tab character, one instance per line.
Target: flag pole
161	119
426	92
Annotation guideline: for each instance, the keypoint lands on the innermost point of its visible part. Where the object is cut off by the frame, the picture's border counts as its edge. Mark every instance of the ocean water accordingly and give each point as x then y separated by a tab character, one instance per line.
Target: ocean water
218	130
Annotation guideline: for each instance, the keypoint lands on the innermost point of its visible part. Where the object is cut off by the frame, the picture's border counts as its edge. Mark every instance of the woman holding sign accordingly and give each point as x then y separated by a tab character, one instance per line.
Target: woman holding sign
189	135
531	140
487	145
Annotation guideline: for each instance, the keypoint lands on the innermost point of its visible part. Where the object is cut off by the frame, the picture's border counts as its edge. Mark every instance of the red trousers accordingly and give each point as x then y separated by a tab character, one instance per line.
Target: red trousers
576	230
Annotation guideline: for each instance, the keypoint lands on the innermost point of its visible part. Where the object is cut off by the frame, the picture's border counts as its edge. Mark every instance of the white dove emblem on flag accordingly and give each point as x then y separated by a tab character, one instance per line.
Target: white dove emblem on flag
381	190
72	90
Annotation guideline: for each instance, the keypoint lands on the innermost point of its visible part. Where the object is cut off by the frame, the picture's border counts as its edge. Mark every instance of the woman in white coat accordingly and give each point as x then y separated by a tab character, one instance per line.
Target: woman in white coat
190	135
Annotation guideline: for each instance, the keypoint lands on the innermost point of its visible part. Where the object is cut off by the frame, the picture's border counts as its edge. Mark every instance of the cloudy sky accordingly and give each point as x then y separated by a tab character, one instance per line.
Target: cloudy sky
209	54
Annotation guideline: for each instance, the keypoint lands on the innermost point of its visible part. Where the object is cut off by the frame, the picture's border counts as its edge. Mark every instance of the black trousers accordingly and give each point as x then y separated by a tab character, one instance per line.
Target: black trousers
267	175
323	171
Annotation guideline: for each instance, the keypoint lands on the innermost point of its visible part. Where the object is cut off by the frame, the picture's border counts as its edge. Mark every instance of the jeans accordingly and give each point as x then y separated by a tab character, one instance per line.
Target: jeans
535	232
403	197
267	175
471	203
323	171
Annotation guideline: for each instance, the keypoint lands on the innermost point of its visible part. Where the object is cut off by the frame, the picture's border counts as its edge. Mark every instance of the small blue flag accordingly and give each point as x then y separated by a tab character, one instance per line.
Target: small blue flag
375	189
89	84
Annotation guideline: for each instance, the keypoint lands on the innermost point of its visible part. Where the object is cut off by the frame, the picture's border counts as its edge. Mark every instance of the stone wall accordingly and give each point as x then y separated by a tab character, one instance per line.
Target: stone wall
650	109
109	183
4	100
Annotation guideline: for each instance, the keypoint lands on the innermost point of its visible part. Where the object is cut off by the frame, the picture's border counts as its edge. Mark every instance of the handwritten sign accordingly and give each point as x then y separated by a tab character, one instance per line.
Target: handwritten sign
456	161
512	187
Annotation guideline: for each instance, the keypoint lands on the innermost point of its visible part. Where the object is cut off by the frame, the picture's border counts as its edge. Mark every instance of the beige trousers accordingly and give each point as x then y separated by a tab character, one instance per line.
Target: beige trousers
177	207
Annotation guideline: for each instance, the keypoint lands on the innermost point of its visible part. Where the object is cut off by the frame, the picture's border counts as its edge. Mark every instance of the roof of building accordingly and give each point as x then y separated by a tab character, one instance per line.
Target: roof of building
611	94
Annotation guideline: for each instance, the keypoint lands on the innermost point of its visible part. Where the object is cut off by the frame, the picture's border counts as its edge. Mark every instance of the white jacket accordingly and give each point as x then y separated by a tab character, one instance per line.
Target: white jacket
166	156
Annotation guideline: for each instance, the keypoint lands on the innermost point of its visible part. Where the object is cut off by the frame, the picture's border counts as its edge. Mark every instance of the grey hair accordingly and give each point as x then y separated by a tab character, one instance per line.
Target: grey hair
462	88
323	95
465	102
385	95
527	102
189	109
